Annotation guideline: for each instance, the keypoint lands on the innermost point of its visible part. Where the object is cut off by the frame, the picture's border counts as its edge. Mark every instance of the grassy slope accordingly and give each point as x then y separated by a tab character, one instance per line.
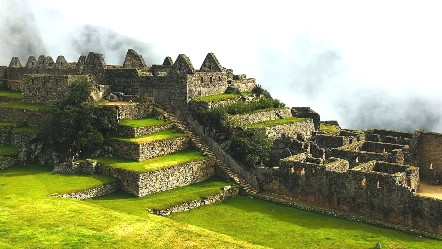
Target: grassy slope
278	226
219	97
21	105
124	202
11	94
166	134
30	218
143	122
7	124
165	161
275	122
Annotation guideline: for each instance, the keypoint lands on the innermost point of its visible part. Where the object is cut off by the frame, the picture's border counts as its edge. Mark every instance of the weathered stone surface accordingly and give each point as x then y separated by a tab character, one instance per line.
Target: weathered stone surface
186	206
141	184
91	193
127	131
29	116
256	117
6	162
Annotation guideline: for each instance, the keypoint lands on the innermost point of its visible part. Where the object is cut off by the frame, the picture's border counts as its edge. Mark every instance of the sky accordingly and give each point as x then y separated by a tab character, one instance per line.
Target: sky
364	63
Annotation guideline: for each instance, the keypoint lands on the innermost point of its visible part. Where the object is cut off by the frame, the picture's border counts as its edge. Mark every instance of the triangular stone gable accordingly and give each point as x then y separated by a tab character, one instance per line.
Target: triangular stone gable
32	62
183	65
15	62
45	61
95	60
134	60
168	61
61	62
211	64
41	61
81	60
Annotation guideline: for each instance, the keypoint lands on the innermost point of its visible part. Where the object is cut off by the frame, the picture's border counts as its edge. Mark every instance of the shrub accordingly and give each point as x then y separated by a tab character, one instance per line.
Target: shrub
251	147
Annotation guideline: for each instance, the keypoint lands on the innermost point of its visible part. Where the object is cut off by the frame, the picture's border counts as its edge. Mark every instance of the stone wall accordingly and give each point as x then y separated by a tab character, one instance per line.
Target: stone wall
357	157
326	141
127	131
243	84
228	191
144	151
168	91
206	83
302	130
256	117
91	193
428	156
125	80
2	76
141	184
372	194
29	116
389	136
6	161
380	147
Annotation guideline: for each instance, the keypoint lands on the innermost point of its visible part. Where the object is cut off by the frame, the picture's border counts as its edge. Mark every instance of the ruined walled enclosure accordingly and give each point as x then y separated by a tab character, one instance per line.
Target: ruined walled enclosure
375	173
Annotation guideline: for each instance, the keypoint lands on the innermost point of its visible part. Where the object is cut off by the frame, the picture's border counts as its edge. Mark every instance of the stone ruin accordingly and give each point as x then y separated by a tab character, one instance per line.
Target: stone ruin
376	172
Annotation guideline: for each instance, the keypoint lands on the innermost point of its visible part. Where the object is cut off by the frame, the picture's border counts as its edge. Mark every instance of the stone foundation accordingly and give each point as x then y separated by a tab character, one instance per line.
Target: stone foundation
257	117
91	193
7	162
127	131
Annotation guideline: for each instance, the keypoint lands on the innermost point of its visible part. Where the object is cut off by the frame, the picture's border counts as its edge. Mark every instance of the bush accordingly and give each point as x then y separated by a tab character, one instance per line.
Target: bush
251	147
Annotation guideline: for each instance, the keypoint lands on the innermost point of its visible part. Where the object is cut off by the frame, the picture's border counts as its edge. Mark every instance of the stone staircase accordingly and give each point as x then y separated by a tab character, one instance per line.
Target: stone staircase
197	142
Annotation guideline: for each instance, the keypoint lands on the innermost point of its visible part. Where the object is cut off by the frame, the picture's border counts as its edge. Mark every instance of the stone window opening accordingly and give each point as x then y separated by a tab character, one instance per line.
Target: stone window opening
210	67
378	185
302	172
292	170
431	166
202	79
219	78
357	159
211	79
364	182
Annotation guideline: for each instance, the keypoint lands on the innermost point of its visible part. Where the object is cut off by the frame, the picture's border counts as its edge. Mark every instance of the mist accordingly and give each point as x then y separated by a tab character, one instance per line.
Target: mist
365	65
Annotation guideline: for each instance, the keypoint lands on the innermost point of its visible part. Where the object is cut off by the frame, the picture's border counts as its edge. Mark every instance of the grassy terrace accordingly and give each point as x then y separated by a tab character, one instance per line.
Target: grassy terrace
328	129
127	203
135	123
26	129
275	122
219	97
162	135
3	124
7	150
21	105
153	164
11	94
30	217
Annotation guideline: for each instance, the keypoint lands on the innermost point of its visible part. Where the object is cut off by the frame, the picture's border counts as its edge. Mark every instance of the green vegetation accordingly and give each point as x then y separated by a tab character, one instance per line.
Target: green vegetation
11	94
277	226
26	129
124	202
250	147
21	105
3	124
219	97
165	161
143	122
162	135
275	122
246	107
30	218
328	129
8	150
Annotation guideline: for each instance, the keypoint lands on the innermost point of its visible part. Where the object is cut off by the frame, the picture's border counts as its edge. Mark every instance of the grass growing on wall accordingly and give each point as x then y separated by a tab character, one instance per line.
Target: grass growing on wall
11	94
275	122
153	164
30	218
218	97
162	135
143	122
21	105
3	124
278	226
328	129
8	150
124	202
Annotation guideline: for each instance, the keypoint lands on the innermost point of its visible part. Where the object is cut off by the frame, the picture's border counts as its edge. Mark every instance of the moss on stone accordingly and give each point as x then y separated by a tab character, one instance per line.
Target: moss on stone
21	105
275	122
135	123
162	135
153	164
219	97
328	129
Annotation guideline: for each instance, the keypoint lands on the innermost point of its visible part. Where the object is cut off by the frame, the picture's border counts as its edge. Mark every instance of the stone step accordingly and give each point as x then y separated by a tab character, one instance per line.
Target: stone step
141	127
157	174
150	146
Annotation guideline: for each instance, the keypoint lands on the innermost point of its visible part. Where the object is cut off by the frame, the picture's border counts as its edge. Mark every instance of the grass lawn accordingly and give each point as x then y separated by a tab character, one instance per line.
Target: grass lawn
143	122
8	150
275	122
123	202
153	164
277	226
21	105
31	218
219	97
162	135
328	129
11	94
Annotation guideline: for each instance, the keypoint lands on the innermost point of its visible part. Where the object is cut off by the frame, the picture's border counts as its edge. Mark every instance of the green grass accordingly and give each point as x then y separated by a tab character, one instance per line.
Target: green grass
143	122
3	124
21	105
123	202
31	218
247	94
153	164
7	150
328	129
162	135
277	226
11	94
26	129
275	122
219	97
